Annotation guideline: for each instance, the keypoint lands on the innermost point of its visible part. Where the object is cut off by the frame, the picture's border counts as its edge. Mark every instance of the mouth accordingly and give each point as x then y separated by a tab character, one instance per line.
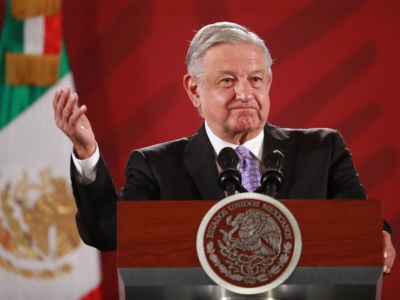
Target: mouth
243	108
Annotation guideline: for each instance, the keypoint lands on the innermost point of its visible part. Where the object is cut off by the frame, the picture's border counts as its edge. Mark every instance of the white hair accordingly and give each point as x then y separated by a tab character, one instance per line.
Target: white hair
221	33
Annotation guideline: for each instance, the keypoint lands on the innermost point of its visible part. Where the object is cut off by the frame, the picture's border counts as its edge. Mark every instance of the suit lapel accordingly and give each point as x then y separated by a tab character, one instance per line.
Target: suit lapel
199	159
276	139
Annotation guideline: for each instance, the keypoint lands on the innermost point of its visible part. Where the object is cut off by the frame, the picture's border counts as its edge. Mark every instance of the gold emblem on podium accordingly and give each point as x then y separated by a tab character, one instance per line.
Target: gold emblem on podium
249	243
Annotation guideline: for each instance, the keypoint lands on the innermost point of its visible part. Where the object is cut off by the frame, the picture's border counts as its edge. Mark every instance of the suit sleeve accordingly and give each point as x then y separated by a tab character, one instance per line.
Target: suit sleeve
97	208
97	201
344	180
140	182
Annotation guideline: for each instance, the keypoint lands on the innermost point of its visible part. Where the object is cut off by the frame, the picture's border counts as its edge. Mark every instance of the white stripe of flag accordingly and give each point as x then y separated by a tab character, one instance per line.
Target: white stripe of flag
34	34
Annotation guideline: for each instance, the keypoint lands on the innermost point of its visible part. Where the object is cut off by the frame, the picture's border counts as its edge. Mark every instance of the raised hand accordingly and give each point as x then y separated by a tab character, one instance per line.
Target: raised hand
71	119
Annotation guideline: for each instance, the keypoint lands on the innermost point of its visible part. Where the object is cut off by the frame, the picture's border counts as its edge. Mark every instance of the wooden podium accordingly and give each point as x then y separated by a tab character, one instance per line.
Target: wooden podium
341	255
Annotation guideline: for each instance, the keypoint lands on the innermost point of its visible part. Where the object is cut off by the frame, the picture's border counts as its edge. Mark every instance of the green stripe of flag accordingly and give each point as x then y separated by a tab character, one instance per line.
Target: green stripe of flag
15	99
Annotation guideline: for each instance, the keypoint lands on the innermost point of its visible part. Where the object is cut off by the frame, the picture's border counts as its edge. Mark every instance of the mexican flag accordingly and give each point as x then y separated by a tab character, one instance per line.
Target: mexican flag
41	253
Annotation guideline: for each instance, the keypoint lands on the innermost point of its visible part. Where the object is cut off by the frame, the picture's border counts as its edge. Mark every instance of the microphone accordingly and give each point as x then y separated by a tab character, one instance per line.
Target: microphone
272	179
230	179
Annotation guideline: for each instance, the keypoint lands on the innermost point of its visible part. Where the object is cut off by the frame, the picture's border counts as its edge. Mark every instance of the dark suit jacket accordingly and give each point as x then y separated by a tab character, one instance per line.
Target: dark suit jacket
317	166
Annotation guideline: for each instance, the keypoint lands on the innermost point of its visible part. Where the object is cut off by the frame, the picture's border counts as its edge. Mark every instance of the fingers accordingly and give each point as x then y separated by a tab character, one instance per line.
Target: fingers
77	113
71	119
60	99
57	107
388	263
71	113
389	253
66	111
69	104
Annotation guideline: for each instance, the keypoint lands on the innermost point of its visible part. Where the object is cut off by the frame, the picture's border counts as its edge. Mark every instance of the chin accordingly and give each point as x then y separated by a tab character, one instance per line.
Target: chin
247	127
248	123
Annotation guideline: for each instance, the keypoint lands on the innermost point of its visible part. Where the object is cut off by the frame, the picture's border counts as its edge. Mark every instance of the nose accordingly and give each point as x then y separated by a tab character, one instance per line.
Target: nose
243	91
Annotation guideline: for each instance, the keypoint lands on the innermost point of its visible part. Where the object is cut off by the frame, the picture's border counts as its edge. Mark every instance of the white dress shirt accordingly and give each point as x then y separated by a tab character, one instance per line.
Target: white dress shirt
86	168
255	145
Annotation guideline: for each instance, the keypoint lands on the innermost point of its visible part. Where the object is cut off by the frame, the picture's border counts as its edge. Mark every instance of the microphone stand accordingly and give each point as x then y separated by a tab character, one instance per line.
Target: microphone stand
272	179
271	183
230	179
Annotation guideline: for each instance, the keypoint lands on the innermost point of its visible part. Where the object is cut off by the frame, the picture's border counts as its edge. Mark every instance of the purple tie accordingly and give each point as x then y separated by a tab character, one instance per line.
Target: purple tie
248	167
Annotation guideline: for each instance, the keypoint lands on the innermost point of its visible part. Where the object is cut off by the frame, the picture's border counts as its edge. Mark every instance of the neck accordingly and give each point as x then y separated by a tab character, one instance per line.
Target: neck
239	138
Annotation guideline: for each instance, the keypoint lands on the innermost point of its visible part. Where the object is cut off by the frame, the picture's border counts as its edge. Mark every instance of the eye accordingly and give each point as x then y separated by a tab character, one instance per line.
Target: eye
256	81
226	82
256	78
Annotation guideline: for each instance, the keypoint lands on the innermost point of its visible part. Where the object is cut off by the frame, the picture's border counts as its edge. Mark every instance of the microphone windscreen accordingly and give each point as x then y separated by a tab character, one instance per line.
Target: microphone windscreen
227	158
274	160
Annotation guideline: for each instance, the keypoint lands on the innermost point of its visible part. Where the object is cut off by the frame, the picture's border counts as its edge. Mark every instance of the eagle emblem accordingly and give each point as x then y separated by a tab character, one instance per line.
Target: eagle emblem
247	242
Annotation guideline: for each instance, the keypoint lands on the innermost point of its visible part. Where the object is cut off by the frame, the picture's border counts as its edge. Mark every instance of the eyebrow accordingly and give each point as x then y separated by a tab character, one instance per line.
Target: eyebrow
262	71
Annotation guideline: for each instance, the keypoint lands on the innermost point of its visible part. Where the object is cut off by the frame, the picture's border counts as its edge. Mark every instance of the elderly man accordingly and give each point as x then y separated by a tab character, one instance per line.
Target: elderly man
228	81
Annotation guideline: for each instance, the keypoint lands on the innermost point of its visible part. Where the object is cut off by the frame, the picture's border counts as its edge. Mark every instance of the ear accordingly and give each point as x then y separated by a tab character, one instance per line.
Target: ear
191	86
269	81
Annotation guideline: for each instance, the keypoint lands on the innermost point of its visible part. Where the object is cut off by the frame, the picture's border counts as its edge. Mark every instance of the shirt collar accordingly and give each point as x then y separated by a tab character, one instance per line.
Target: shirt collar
255	145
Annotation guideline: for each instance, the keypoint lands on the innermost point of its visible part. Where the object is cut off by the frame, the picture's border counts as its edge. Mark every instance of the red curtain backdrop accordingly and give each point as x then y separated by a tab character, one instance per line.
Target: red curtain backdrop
336	64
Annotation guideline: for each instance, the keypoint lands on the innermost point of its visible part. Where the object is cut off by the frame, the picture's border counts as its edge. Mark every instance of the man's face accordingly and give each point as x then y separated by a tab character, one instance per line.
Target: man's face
233	92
